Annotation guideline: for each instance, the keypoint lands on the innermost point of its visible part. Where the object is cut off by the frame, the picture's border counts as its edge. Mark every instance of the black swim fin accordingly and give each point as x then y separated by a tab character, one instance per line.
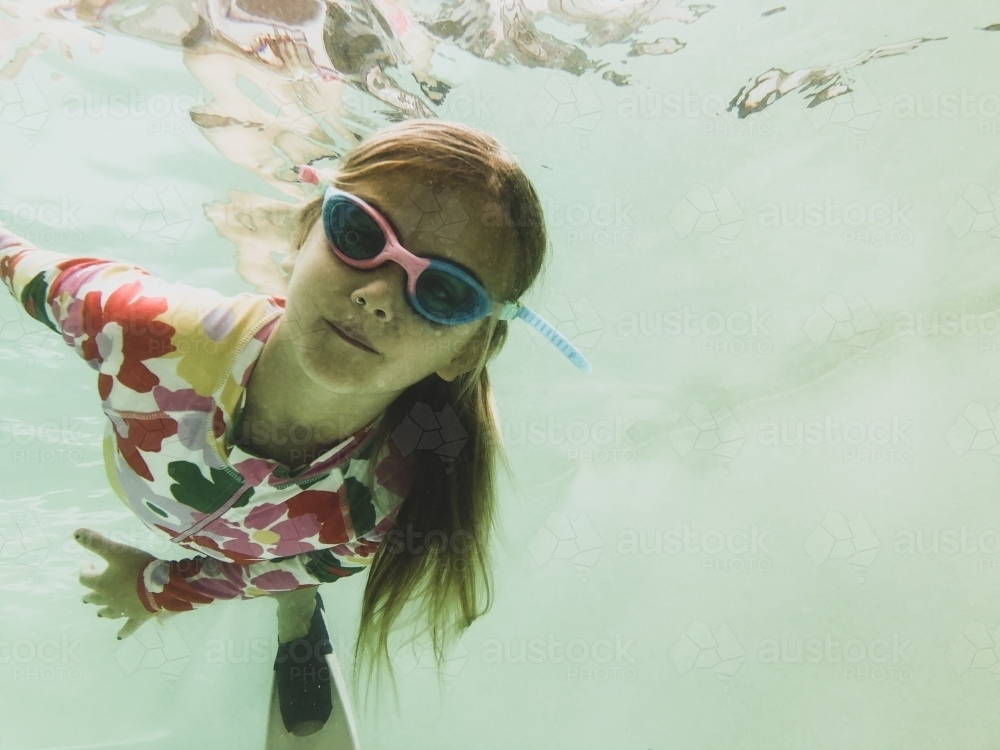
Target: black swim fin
302	676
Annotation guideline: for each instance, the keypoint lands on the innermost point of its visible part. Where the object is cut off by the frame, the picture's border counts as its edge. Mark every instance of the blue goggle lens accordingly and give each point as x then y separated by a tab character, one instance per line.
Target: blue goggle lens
352	230
445	296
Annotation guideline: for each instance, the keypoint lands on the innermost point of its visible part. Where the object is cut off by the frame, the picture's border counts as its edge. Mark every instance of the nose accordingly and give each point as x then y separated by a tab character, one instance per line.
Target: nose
383	293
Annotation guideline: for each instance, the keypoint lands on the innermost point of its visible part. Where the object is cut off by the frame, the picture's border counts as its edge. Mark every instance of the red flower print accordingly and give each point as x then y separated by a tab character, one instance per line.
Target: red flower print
396	472
7	266
144	435
295	533
326	507
264	515
218	422
291	548
241	558
364	548
276	580
142	337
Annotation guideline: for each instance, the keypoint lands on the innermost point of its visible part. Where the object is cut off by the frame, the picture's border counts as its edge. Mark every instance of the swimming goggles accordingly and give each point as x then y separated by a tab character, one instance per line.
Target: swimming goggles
440	290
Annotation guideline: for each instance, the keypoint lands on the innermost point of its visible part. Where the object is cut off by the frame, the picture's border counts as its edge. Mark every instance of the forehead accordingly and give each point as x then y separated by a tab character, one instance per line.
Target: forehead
448	222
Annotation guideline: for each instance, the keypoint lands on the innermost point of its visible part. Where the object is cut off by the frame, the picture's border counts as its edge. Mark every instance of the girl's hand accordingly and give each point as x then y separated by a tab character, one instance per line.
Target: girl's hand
115	588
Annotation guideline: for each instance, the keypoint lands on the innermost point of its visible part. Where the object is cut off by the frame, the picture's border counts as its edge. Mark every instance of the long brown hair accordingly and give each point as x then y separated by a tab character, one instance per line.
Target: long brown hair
445	581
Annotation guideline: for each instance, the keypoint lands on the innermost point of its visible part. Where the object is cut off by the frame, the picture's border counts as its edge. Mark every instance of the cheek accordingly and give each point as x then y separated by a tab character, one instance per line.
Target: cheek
447	346
321	264
423	349
440	348
312	286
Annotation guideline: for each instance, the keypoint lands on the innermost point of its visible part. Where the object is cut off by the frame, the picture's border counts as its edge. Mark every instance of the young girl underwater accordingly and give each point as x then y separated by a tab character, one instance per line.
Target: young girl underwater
284	439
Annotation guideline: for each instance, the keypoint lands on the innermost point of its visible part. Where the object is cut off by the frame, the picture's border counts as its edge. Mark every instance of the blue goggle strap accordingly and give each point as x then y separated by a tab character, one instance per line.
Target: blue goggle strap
513	310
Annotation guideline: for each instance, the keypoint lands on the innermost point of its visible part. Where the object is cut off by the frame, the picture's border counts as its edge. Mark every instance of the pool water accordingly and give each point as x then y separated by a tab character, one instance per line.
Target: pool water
766	518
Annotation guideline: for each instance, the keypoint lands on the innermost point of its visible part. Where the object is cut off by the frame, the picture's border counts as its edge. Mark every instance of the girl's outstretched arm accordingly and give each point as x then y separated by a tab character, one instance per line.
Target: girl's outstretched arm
181	585
171	361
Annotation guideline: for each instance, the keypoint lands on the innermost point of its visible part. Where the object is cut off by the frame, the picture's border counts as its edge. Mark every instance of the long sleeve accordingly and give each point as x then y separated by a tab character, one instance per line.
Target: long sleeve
173	361
127	324
182	585
71	295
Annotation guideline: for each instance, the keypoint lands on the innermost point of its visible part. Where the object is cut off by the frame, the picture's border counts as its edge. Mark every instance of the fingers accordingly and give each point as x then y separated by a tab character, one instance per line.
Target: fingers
98	543
110	613
90	577
94	598
130	627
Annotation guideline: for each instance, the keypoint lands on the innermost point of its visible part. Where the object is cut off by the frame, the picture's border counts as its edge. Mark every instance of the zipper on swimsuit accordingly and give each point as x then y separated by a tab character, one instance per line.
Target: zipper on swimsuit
214	515
210	437
239	493
356	451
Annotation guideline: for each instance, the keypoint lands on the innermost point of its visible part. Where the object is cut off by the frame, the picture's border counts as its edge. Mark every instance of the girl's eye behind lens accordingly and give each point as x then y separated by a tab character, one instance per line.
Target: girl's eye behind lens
353	231
445	295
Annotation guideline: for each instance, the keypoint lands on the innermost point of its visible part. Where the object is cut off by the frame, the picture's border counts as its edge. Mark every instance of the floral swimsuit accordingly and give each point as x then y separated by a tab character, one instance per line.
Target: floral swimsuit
174	362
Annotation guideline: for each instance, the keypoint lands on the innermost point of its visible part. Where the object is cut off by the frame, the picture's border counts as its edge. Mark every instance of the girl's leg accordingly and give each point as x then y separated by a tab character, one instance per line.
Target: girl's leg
295	611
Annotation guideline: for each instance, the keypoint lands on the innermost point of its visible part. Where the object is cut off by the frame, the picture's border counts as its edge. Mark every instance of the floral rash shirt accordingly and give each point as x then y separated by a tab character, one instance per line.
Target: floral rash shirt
173	362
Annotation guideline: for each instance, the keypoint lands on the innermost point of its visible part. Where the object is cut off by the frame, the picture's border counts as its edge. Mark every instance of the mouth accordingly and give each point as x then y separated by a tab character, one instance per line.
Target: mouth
351	337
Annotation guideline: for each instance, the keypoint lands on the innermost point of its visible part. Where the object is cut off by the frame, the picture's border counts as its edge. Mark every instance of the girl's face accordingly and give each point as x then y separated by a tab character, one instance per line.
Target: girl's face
322	289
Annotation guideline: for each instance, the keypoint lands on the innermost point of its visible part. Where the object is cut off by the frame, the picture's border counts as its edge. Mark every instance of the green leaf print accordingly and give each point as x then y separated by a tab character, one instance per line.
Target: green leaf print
359	500
244	498
33	300
193	490
157	509
323	565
